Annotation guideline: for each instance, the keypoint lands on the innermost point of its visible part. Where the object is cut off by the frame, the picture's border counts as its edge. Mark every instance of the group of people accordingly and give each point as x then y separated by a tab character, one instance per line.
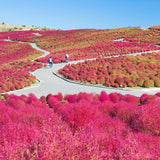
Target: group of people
51	60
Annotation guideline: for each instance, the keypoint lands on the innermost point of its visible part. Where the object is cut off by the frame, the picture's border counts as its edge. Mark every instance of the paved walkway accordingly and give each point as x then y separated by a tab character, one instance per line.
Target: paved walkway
49	82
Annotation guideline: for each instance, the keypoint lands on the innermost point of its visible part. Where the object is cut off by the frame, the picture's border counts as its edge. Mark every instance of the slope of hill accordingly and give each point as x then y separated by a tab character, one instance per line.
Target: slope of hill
14	27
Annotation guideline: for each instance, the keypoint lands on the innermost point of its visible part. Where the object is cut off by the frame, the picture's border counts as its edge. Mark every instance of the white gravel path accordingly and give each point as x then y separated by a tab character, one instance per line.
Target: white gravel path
48	83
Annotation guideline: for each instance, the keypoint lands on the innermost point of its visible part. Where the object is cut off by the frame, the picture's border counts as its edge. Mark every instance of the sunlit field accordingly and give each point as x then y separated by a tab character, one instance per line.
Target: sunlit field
84	125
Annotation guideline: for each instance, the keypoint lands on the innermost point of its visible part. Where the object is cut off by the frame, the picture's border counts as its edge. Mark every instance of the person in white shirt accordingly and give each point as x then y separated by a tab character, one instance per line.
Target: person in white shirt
50	62
67	57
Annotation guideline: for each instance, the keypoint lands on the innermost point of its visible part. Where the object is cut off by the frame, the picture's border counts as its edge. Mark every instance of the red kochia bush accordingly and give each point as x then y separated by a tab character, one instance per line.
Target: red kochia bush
51	100
131	99
124	110
16	103
71	98
145	98
158	94
43	99
148	118
104	96
85	96
105	107
33	100
115	97
55	102
59	96
79	114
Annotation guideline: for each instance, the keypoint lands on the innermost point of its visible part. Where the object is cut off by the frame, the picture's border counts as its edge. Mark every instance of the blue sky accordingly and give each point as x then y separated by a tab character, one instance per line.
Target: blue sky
77	14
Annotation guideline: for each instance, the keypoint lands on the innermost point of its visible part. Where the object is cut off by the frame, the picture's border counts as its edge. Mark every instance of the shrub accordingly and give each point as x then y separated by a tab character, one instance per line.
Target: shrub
123	110
158	94
51	100
157	83
85	96
105	107
33	100
71	98
115	97
16	103
139	82
148	119
79	114
131	99
119	80
43	99
146	99
148	84
104	97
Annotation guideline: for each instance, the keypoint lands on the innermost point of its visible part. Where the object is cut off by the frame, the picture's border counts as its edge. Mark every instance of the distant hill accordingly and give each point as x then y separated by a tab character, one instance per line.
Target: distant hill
13	27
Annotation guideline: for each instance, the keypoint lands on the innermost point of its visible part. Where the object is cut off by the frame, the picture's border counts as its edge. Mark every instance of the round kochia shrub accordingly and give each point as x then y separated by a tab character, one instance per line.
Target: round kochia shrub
104	97
148	119
80	126
124	110
71	98
79	114
148	84
157	83
130	99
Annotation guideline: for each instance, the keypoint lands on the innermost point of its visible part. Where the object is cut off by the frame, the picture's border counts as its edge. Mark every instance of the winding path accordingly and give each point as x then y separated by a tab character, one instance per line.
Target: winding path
49	82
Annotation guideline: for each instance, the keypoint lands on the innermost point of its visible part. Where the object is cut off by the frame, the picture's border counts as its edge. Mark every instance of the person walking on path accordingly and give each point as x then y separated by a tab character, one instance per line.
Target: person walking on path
50	62
67	57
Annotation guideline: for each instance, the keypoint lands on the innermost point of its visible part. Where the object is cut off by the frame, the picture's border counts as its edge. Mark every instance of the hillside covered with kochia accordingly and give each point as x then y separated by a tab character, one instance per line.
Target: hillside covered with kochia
83	43
81	126
79	44
16	65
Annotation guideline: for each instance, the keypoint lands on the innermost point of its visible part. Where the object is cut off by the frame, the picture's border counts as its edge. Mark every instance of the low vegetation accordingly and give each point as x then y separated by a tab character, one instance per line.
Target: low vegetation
80	126
124	71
